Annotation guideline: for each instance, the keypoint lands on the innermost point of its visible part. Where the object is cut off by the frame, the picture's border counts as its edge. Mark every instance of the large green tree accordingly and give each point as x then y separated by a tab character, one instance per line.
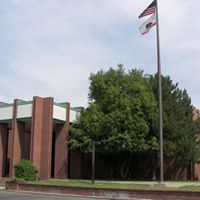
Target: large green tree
179	128
120	113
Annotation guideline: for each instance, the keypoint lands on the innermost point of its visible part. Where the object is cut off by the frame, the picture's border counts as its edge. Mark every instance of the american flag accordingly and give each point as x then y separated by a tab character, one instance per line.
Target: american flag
151	9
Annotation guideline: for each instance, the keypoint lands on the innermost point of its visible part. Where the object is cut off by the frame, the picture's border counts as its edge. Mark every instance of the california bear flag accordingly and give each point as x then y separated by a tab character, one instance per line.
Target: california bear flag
147	25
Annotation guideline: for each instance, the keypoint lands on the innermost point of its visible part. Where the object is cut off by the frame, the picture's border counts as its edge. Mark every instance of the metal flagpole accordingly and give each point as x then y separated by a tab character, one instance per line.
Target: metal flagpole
93	161
160	95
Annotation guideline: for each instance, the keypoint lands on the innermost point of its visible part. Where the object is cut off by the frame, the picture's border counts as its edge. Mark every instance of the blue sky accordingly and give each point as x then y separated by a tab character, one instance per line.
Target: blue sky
50	47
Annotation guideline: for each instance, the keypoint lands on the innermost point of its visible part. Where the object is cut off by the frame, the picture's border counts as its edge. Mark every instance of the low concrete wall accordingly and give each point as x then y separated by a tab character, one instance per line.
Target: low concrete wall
106	193
3	181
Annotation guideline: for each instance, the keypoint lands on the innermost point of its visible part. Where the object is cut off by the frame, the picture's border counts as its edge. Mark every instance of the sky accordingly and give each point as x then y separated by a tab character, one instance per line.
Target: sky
50	47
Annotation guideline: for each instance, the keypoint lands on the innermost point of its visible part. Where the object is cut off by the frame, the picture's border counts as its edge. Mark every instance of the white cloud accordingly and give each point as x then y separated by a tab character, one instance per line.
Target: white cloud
50	47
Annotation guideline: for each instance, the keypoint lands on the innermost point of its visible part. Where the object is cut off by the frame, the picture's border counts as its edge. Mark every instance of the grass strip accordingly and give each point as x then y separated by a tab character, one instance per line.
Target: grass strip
97	184
111	184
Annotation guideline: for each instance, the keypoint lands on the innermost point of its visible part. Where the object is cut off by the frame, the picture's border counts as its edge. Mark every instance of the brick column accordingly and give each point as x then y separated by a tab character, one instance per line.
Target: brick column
41	135
15	146
61	147
3	148
36	132
47	139
10	148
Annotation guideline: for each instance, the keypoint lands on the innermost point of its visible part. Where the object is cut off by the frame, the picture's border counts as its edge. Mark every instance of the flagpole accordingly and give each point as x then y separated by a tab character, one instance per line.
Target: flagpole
160	94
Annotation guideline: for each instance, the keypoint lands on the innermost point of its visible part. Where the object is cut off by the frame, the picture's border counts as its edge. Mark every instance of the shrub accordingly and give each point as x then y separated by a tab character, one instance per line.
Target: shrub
25	170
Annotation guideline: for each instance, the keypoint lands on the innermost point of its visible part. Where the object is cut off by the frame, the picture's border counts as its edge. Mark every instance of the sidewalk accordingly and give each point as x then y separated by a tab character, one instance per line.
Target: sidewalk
2	188
172	184
3	182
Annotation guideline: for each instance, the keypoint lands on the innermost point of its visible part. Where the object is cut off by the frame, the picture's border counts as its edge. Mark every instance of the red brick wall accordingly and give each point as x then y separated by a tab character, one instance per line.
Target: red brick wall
33	140
195	113
19	151
175	170
16	150
196	165
41	135
47	130
61	147
36	130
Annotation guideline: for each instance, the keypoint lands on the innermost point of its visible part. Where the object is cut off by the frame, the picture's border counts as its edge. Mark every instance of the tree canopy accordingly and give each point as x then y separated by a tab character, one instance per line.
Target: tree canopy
179	128
123	117
120	113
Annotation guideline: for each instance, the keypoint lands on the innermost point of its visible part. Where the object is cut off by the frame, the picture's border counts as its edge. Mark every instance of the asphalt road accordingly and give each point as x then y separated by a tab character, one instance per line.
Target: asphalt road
7	195
4	195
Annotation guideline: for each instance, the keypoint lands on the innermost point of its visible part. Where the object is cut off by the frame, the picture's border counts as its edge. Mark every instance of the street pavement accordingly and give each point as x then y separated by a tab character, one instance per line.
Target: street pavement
4	195
8	195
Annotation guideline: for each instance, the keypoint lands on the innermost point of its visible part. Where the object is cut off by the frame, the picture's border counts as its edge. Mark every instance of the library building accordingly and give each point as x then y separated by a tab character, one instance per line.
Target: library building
38	131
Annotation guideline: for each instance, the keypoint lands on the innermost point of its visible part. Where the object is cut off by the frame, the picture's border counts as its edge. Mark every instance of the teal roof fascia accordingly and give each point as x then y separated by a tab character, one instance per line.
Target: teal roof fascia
77	109
21	102
5	120
23	118
59	121
63	105
2	105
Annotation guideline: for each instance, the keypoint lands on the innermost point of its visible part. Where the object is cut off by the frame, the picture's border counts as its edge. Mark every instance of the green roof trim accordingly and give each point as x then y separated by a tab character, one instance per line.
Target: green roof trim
59	121
63	105
6	121
77	109
22	102
23	118
2	104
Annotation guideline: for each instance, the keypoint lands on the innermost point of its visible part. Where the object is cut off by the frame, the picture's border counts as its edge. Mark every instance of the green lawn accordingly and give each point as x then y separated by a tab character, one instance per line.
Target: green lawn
111	184
97	184
190	188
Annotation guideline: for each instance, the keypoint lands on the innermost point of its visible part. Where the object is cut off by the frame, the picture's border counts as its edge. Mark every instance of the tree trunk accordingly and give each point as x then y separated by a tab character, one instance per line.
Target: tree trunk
126	159
155	164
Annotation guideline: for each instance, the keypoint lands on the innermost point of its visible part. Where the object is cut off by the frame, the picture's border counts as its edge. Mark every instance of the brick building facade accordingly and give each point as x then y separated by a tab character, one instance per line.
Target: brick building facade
36	130
196	116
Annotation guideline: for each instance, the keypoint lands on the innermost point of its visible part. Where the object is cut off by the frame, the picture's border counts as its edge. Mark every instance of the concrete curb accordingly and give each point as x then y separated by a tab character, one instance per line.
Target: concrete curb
2	188
105	193
67	195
